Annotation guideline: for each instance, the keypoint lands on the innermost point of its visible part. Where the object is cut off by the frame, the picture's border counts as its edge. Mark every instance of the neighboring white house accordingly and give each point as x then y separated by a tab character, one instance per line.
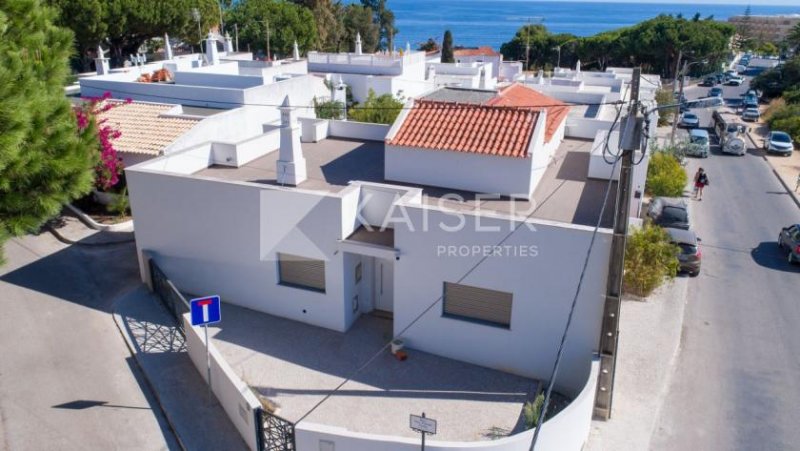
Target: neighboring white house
497	146
146	129
217	79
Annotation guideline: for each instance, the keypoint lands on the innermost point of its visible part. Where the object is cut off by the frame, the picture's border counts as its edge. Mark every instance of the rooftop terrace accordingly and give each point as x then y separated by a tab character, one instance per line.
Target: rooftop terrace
565	193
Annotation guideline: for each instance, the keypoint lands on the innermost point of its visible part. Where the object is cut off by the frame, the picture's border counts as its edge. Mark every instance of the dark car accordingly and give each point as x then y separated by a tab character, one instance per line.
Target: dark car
789	239
689	256
710	81
715	92
669	212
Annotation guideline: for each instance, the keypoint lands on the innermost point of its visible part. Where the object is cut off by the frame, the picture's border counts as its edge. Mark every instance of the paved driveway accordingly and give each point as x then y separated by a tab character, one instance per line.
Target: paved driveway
67	380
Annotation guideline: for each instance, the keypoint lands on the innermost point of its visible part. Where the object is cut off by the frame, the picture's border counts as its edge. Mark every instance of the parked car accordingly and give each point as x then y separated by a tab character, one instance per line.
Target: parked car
750	101
751	114
735	81
699	143
720	77
715	92
690	255
710	81
789	239
669	212
690	120
779	142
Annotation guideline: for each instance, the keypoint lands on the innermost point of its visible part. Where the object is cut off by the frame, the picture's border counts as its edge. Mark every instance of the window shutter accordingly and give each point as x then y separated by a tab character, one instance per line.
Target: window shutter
301	271
479	304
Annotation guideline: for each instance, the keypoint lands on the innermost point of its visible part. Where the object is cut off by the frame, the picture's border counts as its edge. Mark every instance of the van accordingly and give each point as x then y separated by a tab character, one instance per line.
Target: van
699	144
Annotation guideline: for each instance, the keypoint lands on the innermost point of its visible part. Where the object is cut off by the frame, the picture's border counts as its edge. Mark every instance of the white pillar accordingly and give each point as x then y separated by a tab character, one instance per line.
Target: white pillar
431	73
228	44
212	54
101	62
578	67
167	48
296	52
291	165
358	44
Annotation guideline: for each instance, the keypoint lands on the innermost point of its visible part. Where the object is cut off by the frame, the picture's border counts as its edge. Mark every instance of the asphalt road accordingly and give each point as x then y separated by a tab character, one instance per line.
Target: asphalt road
736	383
67	381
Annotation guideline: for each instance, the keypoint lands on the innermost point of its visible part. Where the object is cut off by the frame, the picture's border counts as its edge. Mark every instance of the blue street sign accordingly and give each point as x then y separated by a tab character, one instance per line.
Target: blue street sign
205	310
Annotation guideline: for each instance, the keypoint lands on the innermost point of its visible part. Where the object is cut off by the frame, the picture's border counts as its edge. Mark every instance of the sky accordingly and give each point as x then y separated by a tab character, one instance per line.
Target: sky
707	2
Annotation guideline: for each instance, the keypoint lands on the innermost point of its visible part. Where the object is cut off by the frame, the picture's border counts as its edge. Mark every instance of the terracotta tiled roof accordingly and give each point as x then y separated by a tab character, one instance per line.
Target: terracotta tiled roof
480	51
517	95
488	130
143	129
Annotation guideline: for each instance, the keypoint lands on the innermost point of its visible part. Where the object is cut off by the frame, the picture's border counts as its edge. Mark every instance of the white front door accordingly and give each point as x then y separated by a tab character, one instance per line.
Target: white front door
384	285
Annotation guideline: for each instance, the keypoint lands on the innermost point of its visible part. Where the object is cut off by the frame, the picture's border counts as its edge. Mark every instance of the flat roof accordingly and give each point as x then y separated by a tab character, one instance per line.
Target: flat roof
295	365
564	194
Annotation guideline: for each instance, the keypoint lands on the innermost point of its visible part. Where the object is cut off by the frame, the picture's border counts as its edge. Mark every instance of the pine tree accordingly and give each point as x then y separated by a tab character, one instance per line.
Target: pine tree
447	48
44	161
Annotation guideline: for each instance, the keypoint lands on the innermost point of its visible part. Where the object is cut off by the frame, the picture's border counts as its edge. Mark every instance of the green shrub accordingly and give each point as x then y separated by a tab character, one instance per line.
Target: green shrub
120	206
650	258
330	109
382	109
665	175
532	410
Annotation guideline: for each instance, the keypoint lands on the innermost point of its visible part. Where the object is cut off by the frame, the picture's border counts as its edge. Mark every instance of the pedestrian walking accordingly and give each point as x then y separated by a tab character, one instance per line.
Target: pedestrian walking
700	182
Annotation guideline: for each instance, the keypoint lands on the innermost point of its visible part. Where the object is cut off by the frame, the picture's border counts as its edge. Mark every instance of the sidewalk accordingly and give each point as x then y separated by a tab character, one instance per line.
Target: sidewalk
152	337
786	169
649	334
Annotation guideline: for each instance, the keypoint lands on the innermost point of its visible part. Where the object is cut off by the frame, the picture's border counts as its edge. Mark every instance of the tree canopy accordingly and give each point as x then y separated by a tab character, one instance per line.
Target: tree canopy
287	22
44	161
654	44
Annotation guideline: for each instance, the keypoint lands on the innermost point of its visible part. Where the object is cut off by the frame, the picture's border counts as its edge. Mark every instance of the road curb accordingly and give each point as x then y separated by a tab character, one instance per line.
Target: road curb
118	321
785	185
126	226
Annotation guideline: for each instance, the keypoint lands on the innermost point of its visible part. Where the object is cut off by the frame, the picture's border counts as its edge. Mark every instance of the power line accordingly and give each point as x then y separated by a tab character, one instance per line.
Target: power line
445	105
461	279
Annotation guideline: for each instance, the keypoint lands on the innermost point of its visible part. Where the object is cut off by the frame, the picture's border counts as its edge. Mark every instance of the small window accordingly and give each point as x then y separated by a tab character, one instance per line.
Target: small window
477	304
301	272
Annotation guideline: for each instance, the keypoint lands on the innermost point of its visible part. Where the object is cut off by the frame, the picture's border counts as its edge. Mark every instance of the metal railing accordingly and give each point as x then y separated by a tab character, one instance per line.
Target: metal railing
170	297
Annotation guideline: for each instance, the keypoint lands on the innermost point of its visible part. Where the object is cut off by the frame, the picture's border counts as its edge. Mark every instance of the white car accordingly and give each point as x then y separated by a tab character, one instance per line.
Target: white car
735	81
751	114
779	142
690	120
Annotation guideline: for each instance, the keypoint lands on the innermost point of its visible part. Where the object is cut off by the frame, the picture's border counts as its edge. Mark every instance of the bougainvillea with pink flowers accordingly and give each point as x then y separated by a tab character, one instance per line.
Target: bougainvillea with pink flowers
109	168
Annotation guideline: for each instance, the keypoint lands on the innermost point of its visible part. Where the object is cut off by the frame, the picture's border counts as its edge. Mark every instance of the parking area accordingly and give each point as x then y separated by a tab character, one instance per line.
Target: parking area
295	365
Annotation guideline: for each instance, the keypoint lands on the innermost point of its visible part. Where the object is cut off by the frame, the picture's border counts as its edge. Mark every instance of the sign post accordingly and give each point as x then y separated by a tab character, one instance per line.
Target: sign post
206	311
423	425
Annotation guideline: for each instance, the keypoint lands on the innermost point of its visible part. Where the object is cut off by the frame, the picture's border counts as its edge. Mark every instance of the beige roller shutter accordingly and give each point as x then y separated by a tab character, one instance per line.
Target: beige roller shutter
479	304
301	271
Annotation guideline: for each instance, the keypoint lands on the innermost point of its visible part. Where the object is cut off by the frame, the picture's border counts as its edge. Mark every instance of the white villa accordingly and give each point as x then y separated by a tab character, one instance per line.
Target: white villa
461	223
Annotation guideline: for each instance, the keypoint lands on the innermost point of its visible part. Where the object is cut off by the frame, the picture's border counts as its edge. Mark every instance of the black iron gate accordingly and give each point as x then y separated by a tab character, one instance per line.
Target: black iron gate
276	434
172	299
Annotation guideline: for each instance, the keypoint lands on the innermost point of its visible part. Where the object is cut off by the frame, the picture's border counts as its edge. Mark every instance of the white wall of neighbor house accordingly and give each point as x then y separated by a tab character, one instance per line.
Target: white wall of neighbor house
567	431
540	268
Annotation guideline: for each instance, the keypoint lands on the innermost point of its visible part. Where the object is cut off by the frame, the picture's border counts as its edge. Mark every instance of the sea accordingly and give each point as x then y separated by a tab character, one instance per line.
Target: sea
493	22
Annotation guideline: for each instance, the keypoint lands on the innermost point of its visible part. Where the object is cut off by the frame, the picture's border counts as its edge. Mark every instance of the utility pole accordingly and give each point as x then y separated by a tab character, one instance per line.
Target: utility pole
677	69
528	45
682	75
236	36
630	141
269	55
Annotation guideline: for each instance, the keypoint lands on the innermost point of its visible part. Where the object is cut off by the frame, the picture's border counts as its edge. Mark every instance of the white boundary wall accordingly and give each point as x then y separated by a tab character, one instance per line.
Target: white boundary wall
567	431
233	394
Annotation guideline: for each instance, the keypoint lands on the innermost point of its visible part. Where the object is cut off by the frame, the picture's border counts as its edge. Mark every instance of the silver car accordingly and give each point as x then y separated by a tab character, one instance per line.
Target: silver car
751	114
779	142
690	120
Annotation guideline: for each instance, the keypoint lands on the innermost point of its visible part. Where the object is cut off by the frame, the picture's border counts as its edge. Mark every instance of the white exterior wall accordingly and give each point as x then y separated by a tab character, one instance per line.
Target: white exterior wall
235	397
567	431
459	170
509	70
495	61
542	286
397	86
222	237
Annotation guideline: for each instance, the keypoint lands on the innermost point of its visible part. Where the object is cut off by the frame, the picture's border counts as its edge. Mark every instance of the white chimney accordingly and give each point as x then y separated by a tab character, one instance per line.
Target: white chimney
101	62
212	54
167	48
228	44
578	67
291	164
358	44
296	52
408	47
